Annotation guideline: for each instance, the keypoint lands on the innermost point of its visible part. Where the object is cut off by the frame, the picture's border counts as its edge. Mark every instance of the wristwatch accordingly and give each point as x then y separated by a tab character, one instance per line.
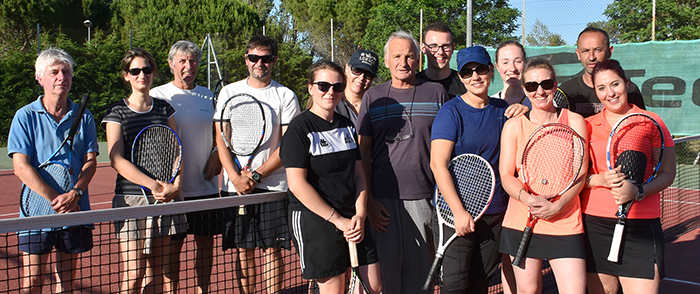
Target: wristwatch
640	193
78	191
256	176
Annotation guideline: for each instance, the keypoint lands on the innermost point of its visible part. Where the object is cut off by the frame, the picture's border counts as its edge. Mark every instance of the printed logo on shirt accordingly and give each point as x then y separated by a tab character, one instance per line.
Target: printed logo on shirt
331	141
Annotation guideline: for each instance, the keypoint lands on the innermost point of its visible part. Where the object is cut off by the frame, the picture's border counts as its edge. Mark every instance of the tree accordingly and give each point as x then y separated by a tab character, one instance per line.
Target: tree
494	22
675	20
541	36
367	23
613	32
19	19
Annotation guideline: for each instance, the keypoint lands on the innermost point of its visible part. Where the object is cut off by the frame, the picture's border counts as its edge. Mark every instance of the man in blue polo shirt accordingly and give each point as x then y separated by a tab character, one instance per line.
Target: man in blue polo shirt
37	131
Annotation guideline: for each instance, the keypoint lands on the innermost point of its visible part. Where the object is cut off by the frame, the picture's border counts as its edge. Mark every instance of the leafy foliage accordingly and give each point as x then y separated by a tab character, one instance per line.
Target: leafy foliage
541	36
675	20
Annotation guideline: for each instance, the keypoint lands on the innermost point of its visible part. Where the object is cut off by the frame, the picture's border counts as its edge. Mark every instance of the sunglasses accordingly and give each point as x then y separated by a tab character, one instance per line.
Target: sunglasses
480	70
325	86
137	71
547	84
265	58
357	72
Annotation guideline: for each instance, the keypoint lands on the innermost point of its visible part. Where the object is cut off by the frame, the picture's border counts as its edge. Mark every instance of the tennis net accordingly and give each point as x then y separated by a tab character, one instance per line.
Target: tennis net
680	203
99	270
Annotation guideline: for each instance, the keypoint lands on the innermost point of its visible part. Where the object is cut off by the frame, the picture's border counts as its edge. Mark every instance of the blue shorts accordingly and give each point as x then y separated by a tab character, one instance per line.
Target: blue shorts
73	240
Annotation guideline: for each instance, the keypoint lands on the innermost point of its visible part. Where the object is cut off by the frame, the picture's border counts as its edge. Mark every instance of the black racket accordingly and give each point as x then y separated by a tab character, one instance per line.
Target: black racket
245	126
56	173
474	181
157	152
356	278
217	88
552	161
636	145
559	100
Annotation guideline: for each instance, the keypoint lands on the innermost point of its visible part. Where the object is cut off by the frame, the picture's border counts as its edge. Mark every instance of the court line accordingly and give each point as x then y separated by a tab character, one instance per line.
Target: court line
682	281
681	202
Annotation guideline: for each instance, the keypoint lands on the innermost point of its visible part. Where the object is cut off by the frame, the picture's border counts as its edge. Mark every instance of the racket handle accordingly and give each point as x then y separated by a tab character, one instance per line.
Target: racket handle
354	261
433	273
147	242
79	114
616	243
522	248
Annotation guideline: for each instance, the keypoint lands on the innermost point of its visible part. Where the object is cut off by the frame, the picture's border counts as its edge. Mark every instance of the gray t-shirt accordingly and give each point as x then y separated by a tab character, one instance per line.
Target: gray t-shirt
401	168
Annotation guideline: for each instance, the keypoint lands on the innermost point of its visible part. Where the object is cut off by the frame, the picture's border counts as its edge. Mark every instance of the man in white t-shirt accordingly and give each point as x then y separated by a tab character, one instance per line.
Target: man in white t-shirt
261	225
195	108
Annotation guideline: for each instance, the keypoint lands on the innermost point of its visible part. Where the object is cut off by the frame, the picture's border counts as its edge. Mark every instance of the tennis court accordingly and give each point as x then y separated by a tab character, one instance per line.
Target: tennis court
99	270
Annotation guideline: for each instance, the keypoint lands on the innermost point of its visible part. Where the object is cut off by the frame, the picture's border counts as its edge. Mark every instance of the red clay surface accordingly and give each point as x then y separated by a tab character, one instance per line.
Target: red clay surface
682	274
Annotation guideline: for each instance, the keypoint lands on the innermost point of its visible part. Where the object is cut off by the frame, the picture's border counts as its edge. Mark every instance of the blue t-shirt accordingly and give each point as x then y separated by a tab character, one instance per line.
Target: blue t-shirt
36	134
476	131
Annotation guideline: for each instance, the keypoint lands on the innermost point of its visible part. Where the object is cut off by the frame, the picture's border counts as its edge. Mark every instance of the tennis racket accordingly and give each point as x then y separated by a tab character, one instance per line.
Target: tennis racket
356	278
245	126
636	145
56	173
313	287
559	100
474	181
552	161
157	152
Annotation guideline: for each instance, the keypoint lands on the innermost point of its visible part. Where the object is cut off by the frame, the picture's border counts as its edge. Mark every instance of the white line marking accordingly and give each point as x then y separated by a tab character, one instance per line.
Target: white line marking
682	281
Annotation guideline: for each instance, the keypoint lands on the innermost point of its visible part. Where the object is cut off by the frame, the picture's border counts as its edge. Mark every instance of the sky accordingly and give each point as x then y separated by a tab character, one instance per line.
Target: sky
564	17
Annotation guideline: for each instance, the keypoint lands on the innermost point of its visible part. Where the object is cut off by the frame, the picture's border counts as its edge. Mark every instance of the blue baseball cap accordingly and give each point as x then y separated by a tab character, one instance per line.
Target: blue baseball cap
365	59
472	54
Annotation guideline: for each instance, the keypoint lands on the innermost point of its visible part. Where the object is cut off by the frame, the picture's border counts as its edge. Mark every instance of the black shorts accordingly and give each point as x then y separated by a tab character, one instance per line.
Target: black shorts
543	246
323	251
263	225
472	259
72	240
642	247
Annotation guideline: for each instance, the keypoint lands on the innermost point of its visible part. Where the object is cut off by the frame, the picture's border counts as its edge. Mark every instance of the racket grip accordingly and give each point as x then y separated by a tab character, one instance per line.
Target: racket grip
522	248
616	243
432	274
354	261
147	242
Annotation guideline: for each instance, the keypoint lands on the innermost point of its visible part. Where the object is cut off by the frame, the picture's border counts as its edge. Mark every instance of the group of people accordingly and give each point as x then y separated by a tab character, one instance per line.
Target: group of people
360	165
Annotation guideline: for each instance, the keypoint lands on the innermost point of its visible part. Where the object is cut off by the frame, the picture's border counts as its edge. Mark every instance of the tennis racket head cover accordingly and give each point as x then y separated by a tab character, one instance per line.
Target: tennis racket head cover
157	152
636	143
58	177
245	124
474	181
552	159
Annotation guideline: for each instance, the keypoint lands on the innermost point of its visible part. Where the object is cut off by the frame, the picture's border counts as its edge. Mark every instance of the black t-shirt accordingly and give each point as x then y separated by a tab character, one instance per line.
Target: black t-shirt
452	84
328	151
132	123
584	101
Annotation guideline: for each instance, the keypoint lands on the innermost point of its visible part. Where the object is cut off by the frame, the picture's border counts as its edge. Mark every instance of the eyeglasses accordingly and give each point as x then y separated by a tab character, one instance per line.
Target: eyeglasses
467	72
547	84
325	86
265	58
404	137
137	71
436	47
357	72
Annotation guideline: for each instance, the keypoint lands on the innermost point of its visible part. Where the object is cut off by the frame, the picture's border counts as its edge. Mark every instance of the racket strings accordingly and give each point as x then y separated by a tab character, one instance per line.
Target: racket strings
552	160
157	153
243	125
474	182
637	144
57	176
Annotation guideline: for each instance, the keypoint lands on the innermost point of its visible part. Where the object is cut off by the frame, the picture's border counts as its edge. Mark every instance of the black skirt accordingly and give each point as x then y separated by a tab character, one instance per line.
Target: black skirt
642	247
